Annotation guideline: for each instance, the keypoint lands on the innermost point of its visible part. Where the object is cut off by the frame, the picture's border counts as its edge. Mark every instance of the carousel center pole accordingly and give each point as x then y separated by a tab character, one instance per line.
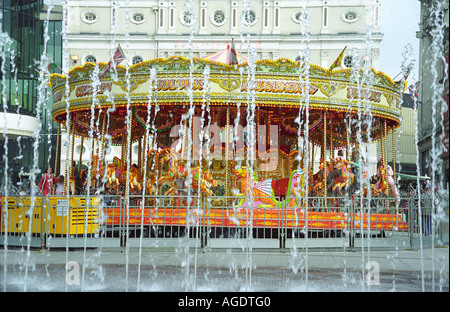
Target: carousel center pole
66	171
393	155
102	140
386	171
81	156
71	167
57	148
385	160
227	156
324	156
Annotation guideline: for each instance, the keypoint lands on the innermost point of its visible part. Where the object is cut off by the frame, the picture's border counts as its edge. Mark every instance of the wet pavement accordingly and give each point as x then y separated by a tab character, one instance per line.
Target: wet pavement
180	270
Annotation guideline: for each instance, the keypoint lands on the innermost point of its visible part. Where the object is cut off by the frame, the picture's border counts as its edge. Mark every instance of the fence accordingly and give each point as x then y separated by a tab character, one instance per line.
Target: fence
222	222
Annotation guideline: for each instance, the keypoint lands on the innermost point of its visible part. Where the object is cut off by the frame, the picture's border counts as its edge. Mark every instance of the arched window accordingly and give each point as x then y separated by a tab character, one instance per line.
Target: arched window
137	59
187	18
218	17
250	17
91	59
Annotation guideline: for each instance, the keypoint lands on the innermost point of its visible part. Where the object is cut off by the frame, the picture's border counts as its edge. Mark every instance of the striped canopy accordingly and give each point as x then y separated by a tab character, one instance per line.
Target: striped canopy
224	56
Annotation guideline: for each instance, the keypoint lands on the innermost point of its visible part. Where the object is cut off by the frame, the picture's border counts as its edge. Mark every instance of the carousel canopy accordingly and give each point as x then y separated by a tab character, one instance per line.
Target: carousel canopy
279	89
225	56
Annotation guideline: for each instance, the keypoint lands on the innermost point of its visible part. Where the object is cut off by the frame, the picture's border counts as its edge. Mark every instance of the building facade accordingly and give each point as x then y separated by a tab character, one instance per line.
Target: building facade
434	88
161	29
22	44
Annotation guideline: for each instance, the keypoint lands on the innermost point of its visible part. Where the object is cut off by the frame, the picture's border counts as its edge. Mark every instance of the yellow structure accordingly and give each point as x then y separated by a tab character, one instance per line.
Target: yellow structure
51	215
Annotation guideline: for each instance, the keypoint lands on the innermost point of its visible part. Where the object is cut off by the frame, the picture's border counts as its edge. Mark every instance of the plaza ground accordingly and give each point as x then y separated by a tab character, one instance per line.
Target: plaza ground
198	270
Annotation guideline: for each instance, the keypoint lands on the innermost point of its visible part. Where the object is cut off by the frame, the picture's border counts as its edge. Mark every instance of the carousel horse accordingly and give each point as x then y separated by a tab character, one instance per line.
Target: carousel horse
318	177
116	174
150	185
262	190
296	190
201	178
345	179
135	178
97	169
373	180
383	186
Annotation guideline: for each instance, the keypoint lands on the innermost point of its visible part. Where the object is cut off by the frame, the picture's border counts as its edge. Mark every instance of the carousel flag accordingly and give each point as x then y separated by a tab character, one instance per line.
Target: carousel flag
338	62
52	64
414	91
117	58
232	56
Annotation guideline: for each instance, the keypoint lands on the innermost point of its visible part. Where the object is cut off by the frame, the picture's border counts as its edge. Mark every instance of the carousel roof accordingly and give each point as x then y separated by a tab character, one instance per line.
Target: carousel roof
224	56
278	91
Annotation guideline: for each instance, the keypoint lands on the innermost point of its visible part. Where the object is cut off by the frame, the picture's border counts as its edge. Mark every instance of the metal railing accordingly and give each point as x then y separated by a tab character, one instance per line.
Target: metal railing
221	222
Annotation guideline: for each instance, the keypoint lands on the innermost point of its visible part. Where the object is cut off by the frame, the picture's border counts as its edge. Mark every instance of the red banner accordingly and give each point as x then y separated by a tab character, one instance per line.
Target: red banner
258	218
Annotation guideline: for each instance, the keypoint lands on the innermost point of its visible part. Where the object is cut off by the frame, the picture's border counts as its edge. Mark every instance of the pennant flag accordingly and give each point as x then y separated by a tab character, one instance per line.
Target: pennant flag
407	72
414	91
117	58
338	62
232	56
52	66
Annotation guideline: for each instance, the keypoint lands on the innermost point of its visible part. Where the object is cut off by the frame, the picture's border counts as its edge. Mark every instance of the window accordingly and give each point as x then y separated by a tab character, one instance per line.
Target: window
187	18
277	17
266	17
89	17
350	16
218	17
80	149
161	17
234	18
91	59
250	17
171	17
377	16
203	17
300	17
137	59
138	18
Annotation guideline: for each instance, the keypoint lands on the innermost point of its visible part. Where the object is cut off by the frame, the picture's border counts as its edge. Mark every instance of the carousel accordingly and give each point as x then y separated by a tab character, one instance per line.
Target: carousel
191	121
